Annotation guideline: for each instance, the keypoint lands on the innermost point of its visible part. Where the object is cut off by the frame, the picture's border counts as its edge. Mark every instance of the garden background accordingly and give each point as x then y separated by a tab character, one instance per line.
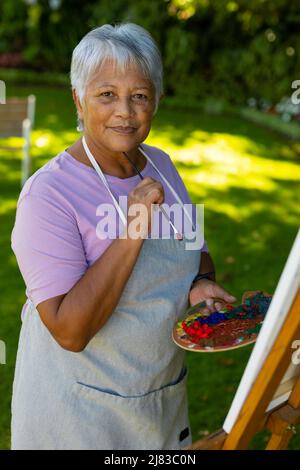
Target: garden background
227	121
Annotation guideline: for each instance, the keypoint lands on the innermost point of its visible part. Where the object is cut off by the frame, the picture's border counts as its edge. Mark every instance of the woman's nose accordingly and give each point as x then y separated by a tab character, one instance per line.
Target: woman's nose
124	107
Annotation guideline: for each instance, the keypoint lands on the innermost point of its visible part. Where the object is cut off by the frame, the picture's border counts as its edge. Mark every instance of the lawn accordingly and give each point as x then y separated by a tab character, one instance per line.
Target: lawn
247	178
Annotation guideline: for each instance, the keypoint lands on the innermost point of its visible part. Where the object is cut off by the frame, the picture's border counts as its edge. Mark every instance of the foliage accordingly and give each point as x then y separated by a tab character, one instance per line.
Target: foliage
232	49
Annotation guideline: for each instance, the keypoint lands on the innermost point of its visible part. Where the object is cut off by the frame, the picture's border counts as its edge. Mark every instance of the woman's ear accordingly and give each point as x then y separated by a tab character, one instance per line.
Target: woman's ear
78	104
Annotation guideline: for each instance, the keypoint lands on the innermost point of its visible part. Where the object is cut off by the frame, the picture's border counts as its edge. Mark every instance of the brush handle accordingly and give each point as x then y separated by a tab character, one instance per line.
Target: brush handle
179	236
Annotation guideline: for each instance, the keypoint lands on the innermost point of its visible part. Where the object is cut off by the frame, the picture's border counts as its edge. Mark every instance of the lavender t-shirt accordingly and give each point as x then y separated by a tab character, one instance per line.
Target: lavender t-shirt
54	237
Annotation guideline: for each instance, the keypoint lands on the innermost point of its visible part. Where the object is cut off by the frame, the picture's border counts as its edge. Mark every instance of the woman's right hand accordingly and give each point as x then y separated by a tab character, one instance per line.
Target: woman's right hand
147	192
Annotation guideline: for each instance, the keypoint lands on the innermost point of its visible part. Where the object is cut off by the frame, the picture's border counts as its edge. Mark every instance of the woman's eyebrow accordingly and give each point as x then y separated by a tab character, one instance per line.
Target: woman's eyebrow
101	85
104	84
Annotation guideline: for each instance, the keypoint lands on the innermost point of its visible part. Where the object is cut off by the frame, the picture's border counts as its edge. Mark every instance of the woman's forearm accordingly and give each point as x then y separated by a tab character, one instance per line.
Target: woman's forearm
207	264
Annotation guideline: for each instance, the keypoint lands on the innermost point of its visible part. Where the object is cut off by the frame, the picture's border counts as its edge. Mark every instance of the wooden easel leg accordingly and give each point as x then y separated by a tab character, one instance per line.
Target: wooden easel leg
212	442
282	424
280	441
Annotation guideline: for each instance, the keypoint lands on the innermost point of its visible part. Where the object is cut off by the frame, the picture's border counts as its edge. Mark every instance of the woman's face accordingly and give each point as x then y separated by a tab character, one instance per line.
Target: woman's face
117	108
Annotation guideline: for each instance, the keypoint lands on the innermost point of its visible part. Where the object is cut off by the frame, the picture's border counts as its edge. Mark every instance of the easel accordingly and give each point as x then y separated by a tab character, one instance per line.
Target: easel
281	421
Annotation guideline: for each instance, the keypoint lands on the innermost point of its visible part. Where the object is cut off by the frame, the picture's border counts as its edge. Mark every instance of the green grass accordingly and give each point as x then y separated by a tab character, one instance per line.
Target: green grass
248	179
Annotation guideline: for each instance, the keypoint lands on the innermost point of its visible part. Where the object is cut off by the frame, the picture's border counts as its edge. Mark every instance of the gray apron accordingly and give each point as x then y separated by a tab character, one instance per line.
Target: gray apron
127	388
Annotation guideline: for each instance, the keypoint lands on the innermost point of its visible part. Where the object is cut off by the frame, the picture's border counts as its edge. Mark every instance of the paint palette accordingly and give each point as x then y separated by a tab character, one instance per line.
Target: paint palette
231	327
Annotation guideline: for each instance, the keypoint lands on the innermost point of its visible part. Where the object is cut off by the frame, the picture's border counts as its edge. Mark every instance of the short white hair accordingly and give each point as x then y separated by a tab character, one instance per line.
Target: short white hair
124	44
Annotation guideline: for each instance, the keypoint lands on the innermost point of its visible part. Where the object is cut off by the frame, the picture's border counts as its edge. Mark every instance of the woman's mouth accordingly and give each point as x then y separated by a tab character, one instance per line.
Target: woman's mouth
124	130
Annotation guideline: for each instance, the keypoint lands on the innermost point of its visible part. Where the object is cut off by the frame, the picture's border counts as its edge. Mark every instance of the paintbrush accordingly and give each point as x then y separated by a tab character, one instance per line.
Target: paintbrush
178	235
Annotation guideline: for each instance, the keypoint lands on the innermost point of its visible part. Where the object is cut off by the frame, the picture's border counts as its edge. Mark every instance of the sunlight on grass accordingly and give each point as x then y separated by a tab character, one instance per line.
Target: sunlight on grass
49	143
228	155
12	142
7	205
43	140
212	161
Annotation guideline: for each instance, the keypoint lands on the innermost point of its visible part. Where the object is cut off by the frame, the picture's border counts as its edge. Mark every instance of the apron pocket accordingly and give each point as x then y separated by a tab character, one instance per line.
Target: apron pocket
109	420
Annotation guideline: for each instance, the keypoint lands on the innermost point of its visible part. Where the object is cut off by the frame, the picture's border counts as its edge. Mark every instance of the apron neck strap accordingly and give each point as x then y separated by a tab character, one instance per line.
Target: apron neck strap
103	179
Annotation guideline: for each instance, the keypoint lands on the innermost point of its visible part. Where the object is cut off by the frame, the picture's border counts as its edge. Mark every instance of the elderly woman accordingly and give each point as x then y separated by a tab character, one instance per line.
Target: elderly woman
96	365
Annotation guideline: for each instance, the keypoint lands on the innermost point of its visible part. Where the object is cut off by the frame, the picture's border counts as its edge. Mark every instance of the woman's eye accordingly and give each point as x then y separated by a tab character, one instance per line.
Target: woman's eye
136	97
141	97
107	93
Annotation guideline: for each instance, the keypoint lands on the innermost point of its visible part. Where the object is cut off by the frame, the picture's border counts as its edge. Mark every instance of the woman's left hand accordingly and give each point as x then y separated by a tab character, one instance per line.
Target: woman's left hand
210	292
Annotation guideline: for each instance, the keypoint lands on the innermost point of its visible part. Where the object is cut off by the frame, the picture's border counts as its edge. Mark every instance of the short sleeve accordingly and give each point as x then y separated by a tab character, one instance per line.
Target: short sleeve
48	248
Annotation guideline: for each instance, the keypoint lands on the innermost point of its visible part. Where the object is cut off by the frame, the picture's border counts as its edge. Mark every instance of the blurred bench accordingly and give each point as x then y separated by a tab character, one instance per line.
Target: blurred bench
17	120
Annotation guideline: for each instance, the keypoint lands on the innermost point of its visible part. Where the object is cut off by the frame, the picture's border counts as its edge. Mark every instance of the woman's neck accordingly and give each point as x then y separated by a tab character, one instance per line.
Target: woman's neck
117	165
